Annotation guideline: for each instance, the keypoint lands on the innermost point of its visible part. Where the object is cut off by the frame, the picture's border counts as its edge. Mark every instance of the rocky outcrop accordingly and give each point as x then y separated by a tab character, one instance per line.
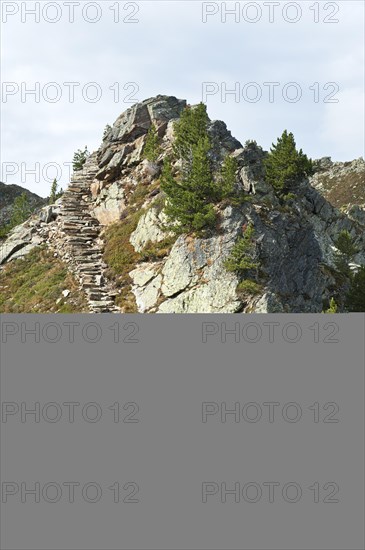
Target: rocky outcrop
26	236
341	183
294	236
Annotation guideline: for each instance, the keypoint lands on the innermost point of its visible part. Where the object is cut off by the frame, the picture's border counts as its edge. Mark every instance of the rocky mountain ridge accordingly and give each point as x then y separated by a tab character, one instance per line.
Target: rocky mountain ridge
109	228
8	194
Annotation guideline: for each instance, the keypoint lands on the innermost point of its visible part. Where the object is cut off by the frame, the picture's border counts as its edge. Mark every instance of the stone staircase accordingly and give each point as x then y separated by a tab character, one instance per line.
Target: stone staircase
82	246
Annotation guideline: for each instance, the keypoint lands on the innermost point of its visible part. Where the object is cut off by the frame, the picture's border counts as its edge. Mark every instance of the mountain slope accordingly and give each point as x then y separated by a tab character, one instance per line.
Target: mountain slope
110	229
8	194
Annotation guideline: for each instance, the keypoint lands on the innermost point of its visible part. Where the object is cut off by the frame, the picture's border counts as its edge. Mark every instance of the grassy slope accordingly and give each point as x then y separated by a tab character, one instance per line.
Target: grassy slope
35	283
343	190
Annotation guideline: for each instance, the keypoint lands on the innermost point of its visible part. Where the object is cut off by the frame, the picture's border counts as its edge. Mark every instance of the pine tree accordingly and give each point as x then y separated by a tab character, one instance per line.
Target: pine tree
21	210
151	149
355	301
79	159
189	129
285	165
55	193
243	254
345	253
190	201
228	177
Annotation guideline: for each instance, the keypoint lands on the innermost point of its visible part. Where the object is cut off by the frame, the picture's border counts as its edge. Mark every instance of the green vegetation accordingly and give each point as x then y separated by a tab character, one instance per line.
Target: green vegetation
121	257
192	193
189	130
55	193
79	159
248	287
119	253
355	298
243	261
243	254
345	253
285	165
21	211
189	205
34	285
333	307
151	149
155	251
355	301
289	197
229	177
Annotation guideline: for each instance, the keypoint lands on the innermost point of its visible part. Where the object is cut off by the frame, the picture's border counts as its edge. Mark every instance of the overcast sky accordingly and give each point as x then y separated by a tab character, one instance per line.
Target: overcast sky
166	48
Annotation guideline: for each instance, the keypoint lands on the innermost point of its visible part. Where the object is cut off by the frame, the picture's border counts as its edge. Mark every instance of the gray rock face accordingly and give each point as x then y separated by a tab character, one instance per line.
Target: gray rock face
149	228
136	120
222	140
23	238
192	279
109	204
294	238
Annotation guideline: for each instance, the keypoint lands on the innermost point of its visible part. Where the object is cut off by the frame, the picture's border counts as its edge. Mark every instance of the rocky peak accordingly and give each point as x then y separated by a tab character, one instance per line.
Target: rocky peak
110	227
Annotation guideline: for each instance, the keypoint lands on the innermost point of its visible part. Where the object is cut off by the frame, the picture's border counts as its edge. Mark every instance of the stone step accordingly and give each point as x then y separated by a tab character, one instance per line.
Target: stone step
82	232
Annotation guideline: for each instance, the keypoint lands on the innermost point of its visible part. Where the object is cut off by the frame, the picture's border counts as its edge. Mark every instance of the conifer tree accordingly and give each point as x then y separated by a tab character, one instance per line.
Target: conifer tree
55	193
285	165
355	301
189	129
190	201
21	210
228	177
345	253
79	159
243	254
151	149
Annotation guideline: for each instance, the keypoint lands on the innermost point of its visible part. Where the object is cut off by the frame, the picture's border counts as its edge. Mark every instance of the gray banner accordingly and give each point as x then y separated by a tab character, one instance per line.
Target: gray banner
182	432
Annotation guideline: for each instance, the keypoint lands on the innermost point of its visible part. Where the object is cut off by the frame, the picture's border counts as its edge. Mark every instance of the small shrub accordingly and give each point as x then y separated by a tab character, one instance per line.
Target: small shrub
332	307
121	258
345	253
151	149
355	300
155	251
250	142
248	287
289	197
79	159
242	257
139	194
55	193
